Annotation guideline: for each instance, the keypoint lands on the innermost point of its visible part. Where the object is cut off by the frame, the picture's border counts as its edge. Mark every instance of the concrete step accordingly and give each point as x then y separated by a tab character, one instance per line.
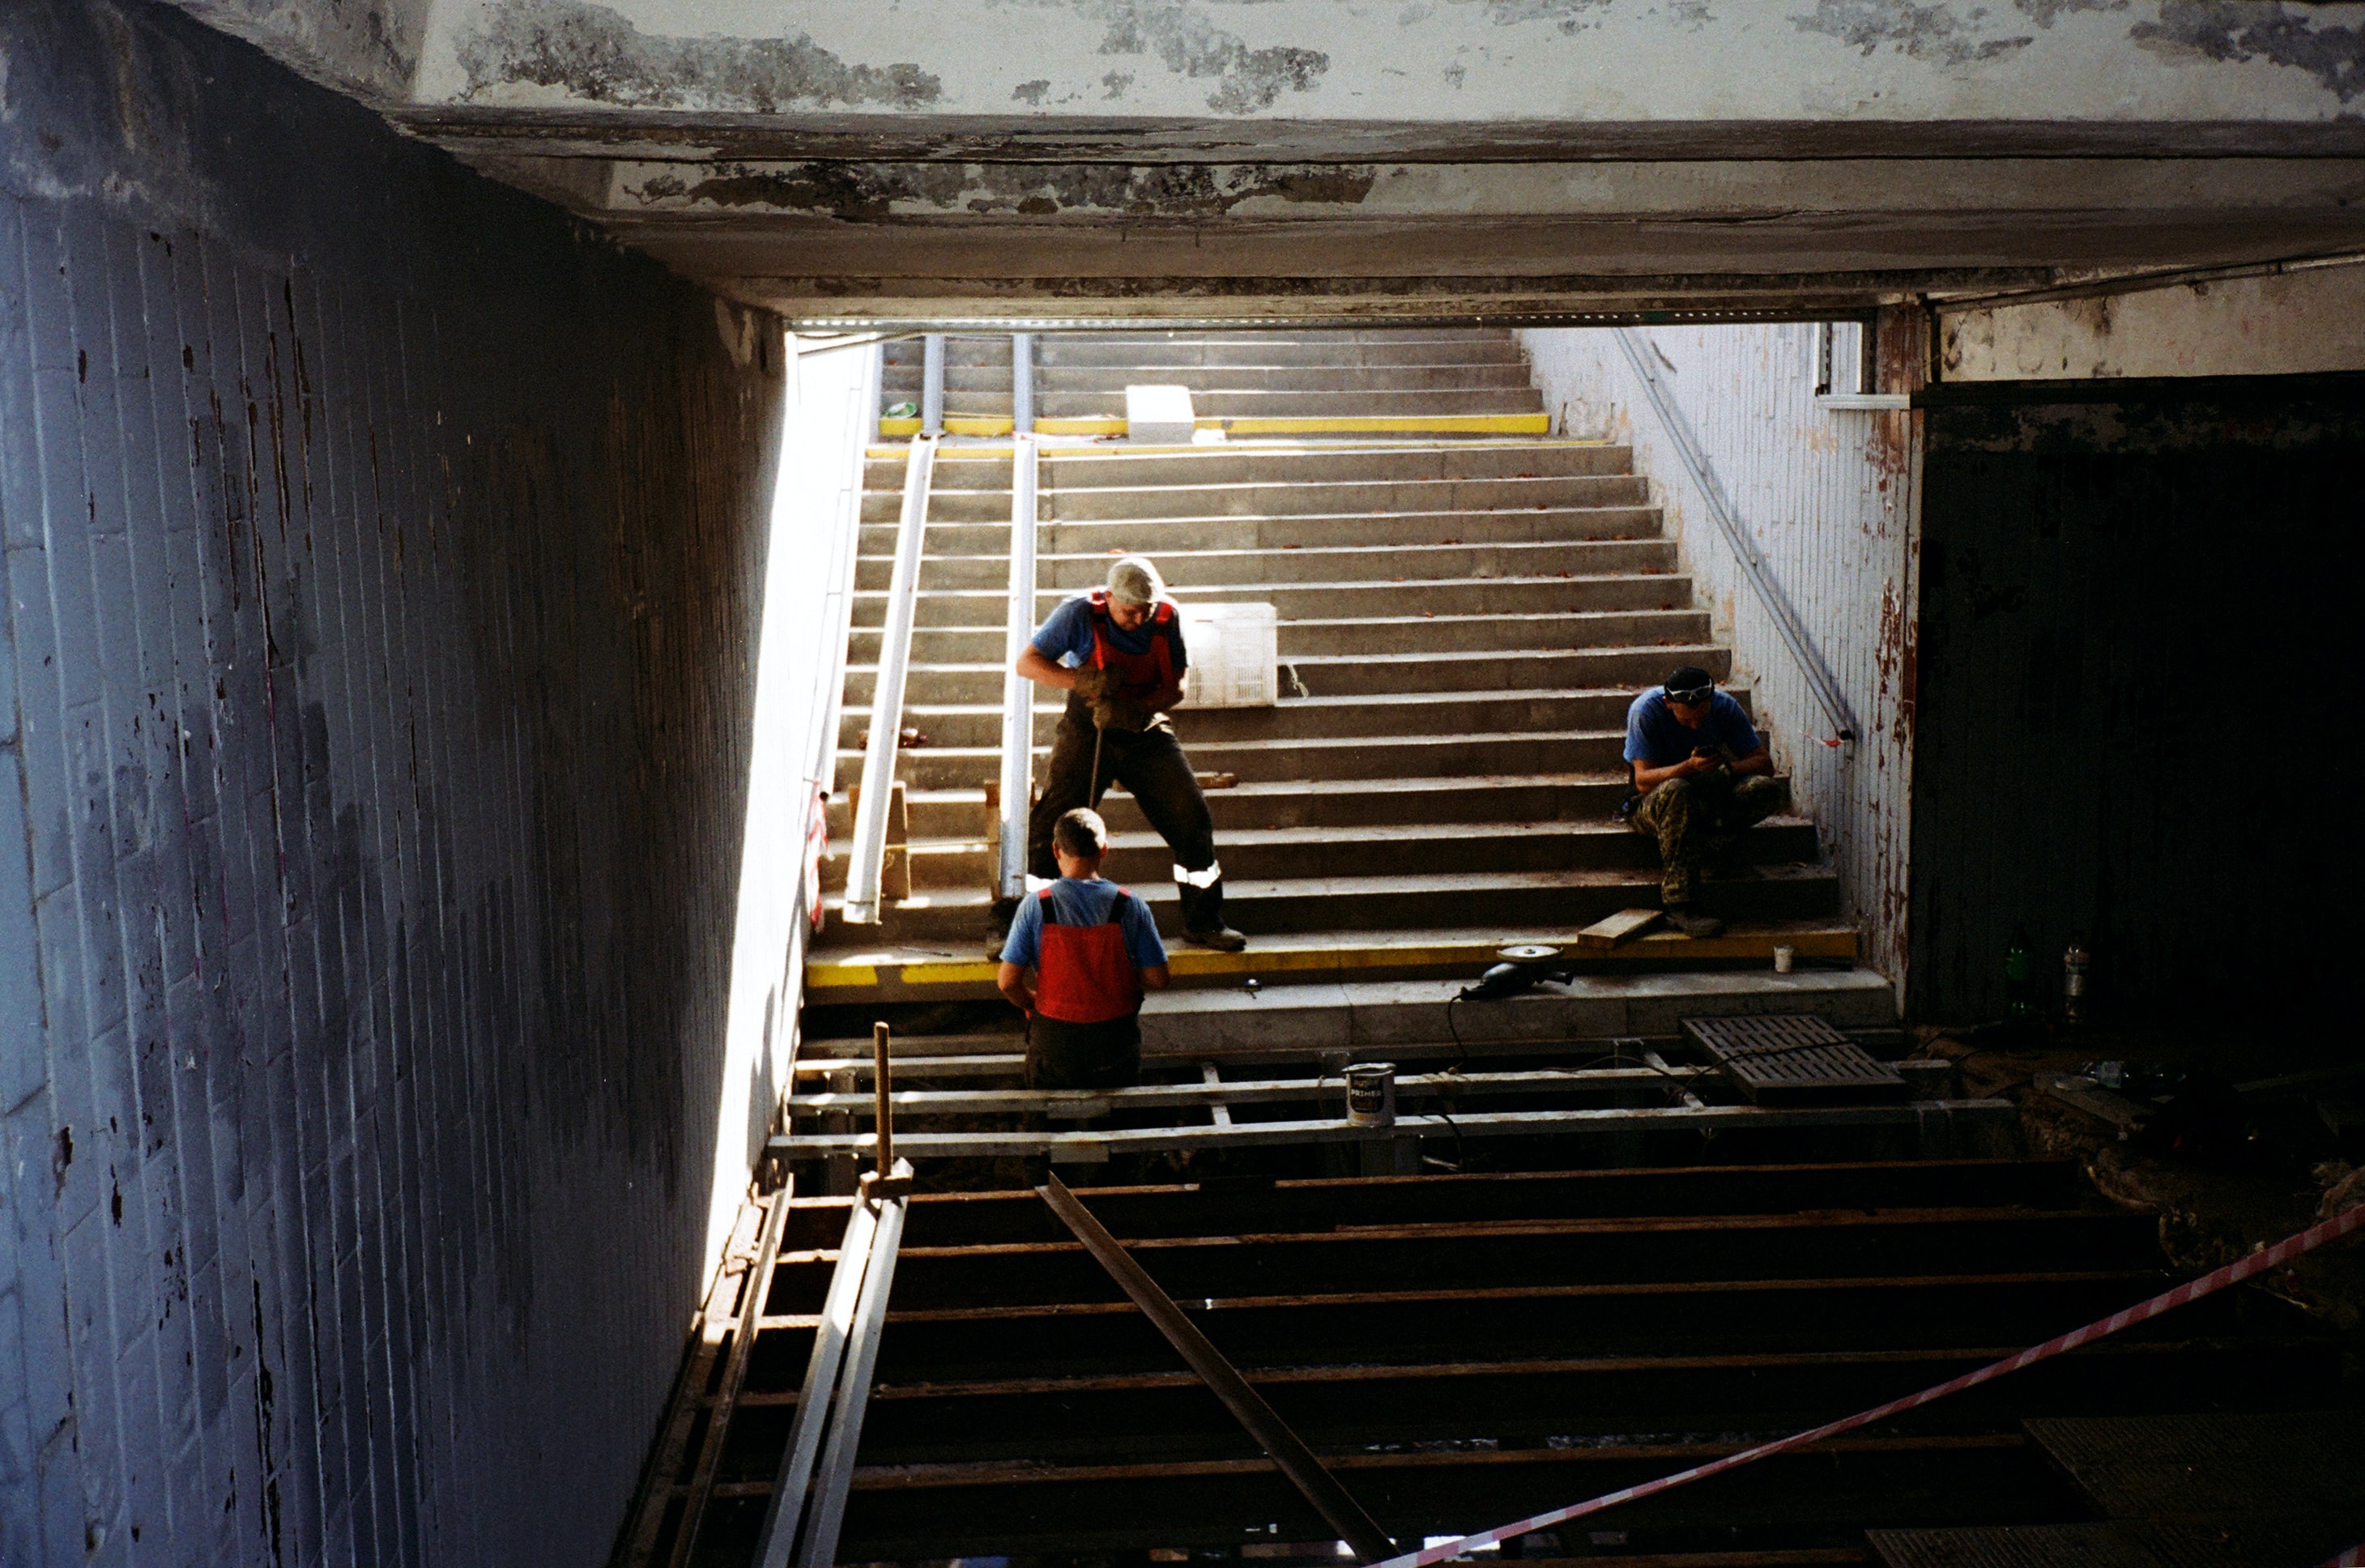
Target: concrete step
938	765
1140	858
1370	674
1348	636
1156	538
1359	563
1385	902
945	504
1232	464
1338	802
1064	352
1504	598
1248	402
1328	497
1382	718
1105	380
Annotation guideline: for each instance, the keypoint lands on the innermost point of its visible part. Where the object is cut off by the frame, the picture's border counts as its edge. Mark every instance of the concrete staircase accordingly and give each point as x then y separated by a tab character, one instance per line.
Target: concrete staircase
1462	624
1376	382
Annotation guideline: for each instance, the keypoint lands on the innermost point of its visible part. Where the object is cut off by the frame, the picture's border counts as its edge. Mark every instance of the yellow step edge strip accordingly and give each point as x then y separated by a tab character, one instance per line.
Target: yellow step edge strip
1345	424
1661	947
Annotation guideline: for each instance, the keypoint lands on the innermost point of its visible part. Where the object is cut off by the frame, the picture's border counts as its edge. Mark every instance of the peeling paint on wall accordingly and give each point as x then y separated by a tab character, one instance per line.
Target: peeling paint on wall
2274	324
1187	42
1932	32
2217	29
873	192
595	52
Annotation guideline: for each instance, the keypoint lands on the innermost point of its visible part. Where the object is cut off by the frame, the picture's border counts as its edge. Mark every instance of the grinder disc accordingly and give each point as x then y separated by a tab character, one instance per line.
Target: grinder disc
1527	953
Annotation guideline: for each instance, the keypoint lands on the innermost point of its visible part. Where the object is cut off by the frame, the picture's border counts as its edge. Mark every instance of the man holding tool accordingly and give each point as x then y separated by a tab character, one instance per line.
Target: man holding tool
1080	954
1117	653
1699	777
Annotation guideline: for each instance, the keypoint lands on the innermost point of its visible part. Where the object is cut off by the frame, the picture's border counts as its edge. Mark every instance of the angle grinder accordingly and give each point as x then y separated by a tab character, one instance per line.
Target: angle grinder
1524	964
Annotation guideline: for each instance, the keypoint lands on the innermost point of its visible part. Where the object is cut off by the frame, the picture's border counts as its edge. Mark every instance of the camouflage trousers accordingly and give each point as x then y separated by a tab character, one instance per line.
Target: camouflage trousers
1699	820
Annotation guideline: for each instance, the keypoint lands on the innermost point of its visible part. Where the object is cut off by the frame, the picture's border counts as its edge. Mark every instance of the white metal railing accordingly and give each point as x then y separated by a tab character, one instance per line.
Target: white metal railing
932	384
1022	383
866	862
1786	623
1018	691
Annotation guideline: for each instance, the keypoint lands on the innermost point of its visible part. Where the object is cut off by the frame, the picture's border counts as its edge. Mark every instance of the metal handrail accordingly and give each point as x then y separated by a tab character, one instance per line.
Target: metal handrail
1793	631
1018	691
1022	383
865	864
932	384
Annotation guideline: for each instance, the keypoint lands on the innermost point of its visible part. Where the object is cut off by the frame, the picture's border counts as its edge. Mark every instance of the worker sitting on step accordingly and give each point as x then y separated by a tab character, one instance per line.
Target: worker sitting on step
1699	777
1092	950
1117	653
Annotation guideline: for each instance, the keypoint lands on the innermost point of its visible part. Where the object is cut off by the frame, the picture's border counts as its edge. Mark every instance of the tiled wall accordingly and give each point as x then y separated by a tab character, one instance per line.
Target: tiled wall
376	675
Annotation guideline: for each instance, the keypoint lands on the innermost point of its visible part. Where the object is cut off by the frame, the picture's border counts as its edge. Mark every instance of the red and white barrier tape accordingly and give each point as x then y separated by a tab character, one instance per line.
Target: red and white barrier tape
2257	1262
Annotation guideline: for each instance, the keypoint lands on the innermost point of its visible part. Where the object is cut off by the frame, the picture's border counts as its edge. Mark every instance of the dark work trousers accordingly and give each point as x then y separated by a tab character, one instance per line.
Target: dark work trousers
1153	769
1060	1054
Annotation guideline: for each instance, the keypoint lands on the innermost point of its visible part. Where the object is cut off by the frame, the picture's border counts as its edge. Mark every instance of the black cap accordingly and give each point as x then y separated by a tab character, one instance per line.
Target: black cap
1689	678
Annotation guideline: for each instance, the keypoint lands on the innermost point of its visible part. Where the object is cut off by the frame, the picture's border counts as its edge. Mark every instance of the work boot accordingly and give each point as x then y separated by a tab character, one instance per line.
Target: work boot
1222	940
1692	924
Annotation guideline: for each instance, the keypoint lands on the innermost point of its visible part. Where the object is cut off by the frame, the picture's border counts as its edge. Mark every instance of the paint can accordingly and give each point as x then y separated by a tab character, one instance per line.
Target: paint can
2074	965
1371	1095
1784	956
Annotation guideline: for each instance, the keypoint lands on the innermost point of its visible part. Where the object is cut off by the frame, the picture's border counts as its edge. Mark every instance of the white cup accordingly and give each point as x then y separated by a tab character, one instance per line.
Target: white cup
1782	960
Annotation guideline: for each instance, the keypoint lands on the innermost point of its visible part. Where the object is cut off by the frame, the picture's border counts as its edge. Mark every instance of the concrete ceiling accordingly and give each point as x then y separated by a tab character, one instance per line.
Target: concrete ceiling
1048	160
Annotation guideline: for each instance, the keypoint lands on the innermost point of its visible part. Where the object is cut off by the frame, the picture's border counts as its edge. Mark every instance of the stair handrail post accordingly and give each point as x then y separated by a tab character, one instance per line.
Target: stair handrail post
865	860
932	384
1022	383
1695	459
1018	691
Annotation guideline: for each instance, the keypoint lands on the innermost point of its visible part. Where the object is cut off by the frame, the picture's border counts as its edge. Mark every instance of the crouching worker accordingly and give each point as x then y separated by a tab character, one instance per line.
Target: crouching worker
1700	777
1080	954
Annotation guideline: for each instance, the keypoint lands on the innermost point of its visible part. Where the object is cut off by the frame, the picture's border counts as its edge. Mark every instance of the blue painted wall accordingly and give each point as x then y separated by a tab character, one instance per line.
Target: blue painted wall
381	564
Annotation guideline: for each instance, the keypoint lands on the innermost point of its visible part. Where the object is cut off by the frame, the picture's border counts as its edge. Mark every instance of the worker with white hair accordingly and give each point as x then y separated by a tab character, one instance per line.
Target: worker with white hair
1117	653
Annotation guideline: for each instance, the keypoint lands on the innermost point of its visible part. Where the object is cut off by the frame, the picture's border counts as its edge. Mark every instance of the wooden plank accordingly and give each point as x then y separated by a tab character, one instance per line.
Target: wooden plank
1623	927
1218	1111
1080	1102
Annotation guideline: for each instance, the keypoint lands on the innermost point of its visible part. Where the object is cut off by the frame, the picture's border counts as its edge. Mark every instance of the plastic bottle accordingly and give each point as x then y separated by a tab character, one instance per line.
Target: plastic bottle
2019	987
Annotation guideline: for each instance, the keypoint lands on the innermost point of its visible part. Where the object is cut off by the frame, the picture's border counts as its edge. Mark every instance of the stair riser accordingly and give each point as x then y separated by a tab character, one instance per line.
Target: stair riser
1239	405
942	766
1801	897
1073	354
1073	574
1106	381
1306	805
1553	670
1287	466
944	505
936	868
1287	499
1285	533
1505	599
1618	629
1295	721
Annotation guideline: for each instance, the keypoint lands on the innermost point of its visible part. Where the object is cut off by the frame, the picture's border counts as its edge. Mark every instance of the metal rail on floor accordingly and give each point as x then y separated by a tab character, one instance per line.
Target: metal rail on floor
1018	691
867	856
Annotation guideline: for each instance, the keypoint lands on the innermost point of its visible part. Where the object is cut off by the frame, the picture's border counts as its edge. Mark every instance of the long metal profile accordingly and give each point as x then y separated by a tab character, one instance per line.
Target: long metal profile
866	857
816	1398
1018	691
1304	1468
1787	622
834	1477
1022	383
932	384
861	424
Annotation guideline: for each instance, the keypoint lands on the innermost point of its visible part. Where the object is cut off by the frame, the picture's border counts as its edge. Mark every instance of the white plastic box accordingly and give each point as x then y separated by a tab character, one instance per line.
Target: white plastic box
1234	651
1158	416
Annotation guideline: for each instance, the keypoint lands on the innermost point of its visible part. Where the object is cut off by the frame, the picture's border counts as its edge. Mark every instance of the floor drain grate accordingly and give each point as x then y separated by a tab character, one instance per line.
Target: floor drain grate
1793	1059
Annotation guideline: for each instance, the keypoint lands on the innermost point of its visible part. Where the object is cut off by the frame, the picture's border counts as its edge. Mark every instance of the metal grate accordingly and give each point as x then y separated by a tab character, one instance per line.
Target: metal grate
1793	1059
2009	1546
2163	1466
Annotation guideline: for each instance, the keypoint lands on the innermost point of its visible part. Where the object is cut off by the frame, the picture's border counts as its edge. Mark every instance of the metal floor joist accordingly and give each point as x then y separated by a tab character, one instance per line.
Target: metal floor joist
1461	1350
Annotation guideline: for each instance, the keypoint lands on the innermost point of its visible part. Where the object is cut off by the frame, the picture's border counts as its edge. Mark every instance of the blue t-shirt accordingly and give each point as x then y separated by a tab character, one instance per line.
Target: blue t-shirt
1655	736
1066	636
1083	904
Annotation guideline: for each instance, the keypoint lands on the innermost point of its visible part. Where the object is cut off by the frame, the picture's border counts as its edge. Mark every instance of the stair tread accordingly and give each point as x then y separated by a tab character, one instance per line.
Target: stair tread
1350	699
1404	833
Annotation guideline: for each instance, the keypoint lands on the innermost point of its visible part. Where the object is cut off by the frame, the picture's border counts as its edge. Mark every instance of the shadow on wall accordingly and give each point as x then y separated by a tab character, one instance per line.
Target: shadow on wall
382	570
2136	732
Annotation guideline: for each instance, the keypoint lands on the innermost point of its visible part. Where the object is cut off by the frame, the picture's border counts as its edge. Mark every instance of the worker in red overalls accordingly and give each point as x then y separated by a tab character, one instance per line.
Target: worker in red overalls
1080	954
1117	653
